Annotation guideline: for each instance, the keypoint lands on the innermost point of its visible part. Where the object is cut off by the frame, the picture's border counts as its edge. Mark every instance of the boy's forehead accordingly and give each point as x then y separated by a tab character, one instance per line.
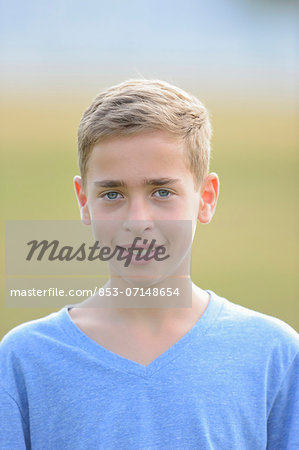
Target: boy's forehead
151	141
142	160
157	153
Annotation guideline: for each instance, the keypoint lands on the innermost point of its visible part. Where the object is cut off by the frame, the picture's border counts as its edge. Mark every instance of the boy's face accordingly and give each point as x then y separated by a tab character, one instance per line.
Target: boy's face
138	209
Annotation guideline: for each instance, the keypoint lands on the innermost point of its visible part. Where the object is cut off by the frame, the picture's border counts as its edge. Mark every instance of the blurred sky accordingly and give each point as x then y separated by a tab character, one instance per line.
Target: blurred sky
247	46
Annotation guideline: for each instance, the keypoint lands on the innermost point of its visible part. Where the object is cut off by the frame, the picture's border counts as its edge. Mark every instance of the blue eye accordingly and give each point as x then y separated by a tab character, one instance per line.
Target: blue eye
164	191
112	195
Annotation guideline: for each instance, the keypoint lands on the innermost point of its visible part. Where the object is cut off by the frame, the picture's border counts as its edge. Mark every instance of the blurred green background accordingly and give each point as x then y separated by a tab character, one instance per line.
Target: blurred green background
248	253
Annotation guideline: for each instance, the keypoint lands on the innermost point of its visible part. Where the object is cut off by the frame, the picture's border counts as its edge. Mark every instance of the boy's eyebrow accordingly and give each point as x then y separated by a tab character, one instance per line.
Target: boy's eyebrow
146	181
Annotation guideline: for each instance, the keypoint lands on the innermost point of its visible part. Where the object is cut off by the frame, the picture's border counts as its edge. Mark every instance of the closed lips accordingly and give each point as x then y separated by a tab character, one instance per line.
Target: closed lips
140	249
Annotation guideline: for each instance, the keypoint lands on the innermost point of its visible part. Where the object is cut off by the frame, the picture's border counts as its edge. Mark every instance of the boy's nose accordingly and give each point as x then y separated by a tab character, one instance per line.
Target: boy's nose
138	227
138	217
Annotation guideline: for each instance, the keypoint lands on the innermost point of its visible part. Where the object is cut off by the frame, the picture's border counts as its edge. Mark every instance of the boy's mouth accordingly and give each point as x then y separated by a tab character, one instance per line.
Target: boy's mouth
137	248
139	254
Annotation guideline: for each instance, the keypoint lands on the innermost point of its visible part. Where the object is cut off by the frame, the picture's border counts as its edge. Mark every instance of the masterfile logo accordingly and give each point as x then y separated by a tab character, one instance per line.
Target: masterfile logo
53	251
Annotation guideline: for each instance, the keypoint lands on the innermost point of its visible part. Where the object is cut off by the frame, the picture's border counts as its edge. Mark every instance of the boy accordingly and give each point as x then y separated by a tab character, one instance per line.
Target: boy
214	375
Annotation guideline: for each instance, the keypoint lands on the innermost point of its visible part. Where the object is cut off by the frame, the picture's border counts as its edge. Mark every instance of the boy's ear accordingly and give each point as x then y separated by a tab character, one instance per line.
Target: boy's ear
82	200
209	197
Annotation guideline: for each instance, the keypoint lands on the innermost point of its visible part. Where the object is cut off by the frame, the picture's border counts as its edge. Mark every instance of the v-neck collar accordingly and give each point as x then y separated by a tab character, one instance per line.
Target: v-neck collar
120	363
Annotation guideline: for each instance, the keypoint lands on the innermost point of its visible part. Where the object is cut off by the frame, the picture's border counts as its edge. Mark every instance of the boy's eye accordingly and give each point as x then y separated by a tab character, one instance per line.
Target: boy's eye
164	193
111	195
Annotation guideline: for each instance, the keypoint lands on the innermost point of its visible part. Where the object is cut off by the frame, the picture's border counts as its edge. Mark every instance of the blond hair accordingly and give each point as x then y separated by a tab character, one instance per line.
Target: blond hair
138	105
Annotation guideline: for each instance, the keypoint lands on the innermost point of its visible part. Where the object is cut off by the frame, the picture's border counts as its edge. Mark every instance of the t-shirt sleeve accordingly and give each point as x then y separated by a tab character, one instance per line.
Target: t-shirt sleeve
12	435
283	419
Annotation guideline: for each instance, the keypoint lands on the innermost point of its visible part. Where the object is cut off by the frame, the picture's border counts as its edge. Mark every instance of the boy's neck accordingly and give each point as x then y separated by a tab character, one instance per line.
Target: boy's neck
152	320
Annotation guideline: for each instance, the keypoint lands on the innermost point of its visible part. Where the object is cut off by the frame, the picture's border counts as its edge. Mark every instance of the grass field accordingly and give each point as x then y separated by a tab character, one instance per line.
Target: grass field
248	253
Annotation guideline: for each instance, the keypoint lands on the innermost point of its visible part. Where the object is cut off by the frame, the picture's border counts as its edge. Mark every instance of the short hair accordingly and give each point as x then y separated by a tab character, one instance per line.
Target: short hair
139	105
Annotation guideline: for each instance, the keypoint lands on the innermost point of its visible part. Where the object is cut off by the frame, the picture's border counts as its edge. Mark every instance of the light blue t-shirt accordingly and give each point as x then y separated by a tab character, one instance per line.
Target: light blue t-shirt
231	382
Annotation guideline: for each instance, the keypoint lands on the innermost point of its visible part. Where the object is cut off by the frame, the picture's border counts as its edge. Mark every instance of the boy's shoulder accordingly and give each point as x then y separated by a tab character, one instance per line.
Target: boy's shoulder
23	335
248	323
